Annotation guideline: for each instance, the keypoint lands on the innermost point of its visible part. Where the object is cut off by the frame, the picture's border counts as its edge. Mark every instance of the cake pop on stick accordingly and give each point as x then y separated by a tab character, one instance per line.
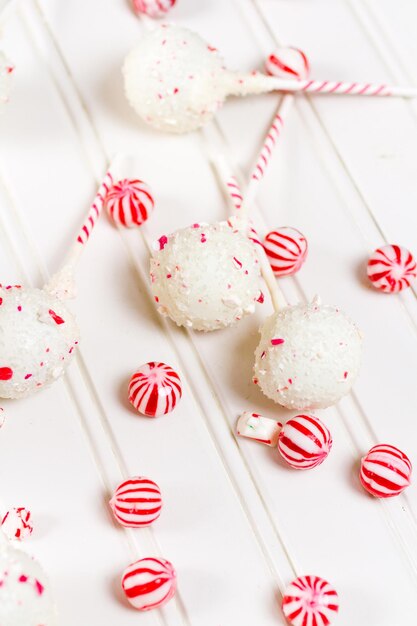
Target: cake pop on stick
176	82
309	355
38	333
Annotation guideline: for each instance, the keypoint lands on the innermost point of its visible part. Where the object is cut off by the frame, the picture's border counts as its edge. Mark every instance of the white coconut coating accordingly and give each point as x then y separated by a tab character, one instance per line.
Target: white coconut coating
308	356
174	80
206	276
25	596
38	336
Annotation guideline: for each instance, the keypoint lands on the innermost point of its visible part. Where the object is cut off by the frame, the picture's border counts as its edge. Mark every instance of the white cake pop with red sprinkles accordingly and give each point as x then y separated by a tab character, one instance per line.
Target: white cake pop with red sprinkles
25	596
38	337
206	276
308	356
173	79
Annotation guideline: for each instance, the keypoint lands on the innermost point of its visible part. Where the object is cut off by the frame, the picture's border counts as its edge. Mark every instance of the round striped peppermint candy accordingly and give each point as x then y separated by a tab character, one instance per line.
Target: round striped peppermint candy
155	389
391	268
385	471
310	601
149	583
129	203
136	502
153	8
286	249
288	62
16	523
304	442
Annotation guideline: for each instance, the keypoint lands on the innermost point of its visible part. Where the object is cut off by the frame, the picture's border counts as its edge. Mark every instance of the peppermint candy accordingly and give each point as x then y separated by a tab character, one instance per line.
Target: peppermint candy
16	524
259	428
310	601
286	249
385	471
304	442
136	502
288	63
129	203
155	389
149	583
153	8
391	268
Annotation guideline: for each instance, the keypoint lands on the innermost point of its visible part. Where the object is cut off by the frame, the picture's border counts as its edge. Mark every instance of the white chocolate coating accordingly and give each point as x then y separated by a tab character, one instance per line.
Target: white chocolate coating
206	277
25	597
38	336
308	356
174	80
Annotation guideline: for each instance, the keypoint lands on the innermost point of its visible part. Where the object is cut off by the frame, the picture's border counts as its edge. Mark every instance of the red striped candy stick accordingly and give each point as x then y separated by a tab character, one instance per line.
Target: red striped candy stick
285	62
248	84
62	283
277	297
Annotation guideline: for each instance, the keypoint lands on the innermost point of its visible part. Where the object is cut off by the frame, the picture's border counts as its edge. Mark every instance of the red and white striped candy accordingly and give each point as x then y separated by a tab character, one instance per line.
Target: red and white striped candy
310	601
385	471
286	249
288	62
153	8
16	524
149	583
304	441
129	203
136	502
391	268
155	389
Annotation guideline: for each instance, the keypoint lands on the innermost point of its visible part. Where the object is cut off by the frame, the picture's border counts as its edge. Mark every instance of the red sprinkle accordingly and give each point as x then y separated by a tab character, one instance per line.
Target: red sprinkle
57	319
277	342
162	242
6	373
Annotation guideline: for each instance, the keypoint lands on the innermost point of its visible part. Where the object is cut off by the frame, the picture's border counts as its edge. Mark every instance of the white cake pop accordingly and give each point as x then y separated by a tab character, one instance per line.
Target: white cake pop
308	356
25	596
38	336
206	276
176	82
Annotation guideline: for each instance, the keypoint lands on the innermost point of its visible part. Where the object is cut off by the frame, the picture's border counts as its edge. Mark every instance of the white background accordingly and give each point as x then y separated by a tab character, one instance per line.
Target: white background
237	524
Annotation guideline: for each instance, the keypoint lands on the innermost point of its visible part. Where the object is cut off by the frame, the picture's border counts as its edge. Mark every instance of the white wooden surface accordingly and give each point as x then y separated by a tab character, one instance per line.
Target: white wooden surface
237	524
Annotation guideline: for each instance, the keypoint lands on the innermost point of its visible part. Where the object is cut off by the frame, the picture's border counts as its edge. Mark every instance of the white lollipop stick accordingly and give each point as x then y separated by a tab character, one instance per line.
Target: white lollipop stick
62	284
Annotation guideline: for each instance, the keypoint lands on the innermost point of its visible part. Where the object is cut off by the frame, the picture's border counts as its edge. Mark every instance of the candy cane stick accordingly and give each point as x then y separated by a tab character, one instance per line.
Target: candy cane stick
264	155
62	284
284	62
277	297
